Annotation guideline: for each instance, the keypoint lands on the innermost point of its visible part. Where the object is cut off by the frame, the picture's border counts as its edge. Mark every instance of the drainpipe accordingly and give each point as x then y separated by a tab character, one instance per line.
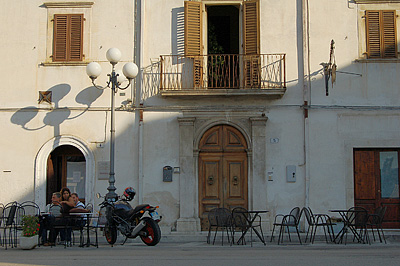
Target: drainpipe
306	97
138	39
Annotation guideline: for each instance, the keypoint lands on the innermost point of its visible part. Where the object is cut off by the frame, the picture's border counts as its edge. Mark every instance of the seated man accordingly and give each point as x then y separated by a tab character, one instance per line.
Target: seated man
79	207
54	210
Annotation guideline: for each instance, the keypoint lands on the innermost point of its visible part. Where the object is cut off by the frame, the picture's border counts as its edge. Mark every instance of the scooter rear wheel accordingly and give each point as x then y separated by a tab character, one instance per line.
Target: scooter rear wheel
110	231
152	233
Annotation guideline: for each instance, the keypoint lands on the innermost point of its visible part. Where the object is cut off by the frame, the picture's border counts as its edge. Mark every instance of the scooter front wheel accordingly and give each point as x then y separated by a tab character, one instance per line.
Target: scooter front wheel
151	233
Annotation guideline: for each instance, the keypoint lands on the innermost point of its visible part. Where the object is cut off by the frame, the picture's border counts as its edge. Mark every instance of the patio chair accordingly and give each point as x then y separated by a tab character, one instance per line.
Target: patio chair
220	218
318	220
30	208
240	220
357	218
285	222
1	221
9	223
376	220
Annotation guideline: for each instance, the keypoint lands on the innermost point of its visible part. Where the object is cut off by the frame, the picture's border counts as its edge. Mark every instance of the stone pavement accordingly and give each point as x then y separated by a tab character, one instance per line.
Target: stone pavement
174	250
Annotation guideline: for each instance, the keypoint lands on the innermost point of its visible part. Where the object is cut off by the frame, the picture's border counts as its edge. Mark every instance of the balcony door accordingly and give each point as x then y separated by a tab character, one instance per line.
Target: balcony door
223	64
376	182
222	171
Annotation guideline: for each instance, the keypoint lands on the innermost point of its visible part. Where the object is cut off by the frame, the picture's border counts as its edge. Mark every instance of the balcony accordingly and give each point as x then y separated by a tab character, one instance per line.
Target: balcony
223	75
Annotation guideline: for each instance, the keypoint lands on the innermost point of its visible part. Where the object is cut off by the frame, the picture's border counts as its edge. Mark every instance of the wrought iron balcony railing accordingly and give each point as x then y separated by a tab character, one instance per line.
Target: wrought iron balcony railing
222	71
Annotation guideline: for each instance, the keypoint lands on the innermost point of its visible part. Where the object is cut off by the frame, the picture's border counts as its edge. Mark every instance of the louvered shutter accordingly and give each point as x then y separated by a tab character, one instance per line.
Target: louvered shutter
67	39
389	34
193	32
381	34
60	37
251	28
76	33
193	39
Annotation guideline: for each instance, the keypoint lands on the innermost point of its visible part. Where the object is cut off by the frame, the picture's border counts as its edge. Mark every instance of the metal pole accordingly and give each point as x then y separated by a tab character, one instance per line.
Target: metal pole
111	180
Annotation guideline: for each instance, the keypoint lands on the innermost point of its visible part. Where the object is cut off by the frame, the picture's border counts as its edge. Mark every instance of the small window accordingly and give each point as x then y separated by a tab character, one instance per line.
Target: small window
381	34
68	37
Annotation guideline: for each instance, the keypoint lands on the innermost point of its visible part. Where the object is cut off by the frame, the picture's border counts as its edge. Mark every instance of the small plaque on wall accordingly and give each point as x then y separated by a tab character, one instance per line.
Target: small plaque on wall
103	170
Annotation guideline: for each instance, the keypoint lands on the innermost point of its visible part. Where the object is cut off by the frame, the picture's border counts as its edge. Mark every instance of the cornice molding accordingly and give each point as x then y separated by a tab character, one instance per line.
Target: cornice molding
68	4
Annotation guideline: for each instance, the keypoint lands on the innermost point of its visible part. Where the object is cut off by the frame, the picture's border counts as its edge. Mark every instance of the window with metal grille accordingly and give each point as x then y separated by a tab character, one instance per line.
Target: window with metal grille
381	34
68	37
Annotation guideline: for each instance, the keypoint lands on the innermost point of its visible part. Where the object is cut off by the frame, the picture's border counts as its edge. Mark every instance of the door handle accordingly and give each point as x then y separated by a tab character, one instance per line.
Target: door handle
210	180
235	181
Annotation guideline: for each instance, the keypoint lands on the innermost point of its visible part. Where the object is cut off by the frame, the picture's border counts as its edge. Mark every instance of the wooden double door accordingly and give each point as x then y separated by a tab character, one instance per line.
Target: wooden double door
223	178
376	182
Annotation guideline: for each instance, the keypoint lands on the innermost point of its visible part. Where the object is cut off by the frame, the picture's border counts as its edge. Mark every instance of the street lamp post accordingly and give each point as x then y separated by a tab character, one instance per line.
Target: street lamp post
130	70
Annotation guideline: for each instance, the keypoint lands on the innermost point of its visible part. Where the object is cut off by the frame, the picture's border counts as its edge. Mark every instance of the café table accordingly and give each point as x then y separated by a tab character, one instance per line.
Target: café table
81	217
250	217
349	216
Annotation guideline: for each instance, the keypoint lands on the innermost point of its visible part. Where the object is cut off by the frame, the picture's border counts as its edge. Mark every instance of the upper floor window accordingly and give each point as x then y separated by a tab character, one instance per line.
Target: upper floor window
381	33
68	37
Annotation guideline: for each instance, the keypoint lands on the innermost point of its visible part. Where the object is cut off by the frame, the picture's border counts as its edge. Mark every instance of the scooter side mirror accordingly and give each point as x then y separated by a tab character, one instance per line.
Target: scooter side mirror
98	195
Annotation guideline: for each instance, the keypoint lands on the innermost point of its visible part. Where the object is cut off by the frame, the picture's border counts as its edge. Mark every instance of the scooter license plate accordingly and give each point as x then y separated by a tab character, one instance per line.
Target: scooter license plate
155	216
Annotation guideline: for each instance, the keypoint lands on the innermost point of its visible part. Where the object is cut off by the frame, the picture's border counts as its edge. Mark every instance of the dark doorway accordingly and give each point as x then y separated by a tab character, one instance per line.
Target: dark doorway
223	46
66	167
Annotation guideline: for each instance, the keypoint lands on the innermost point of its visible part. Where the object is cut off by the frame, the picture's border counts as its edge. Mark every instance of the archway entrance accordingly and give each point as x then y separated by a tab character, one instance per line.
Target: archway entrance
222	171
66	167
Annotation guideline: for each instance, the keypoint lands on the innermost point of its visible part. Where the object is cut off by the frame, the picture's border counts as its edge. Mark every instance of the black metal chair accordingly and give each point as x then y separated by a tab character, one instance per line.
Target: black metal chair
356	219
239	222
220	218
376	220
318	220
10	223
1	221
285	222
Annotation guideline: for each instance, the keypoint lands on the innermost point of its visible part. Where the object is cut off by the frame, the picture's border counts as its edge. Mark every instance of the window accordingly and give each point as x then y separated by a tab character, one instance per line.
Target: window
68	37
381	33
68	32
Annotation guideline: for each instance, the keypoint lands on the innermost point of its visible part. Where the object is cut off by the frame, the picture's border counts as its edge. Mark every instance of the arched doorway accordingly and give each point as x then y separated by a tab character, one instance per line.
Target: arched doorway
223	180
66	167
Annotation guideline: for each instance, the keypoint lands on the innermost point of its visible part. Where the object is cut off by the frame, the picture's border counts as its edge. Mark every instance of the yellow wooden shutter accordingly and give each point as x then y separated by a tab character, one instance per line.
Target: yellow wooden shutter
381	34
193	25
251	27
251	41
68	37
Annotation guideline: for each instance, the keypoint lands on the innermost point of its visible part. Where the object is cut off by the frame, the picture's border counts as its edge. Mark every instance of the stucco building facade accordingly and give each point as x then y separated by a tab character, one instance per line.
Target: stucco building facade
232	105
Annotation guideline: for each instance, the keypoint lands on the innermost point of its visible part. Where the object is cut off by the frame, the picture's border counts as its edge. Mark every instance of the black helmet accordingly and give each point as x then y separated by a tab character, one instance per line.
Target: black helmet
129	193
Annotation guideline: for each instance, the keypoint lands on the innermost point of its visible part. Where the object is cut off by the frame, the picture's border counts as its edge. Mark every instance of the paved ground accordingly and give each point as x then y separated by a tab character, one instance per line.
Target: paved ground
200	253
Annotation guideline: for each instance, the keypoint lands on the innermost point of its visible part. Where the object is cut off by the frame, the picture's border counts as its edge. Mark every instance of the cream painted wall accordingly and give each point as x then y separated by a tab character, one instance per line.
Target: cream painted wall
360	111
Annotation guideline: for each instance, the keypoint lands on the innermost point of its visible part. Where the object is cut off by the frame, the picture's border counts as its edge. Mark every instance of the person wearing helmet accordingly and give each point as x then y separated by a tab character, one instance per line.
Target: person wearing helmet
129	193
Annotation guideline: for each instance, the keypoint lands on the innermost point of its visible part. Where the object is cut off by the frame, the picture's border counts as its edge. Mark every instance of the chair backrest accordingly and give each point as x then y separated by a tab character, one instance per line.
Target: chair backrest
30	208
1	213
238	217
309	216
212	217
294	216
9	213
357	216
381	213
89	207
224	217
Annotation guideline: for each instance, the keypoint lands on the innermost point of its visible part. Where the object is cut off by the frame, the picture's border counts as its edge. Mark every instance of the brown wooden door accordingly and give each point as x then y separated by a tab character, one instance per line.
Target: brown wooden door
376	182
222	171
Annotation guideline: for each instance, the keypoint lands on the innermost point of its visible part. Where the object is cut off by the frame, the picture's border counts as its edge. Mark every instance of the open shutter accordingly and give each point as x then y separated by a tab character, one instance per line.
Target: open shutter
251	43
76	34
389	34
60	37
193	39
381	34
193	32
67	42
